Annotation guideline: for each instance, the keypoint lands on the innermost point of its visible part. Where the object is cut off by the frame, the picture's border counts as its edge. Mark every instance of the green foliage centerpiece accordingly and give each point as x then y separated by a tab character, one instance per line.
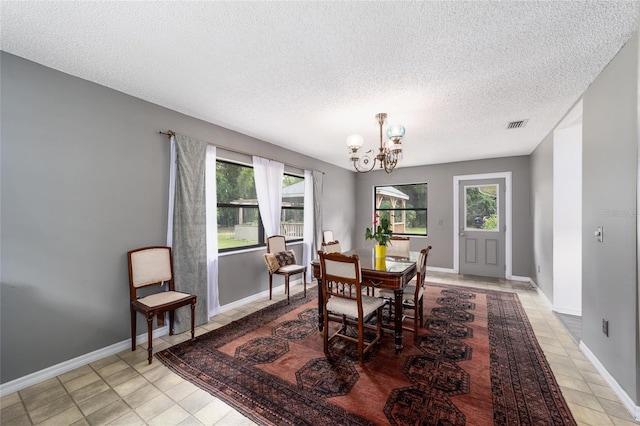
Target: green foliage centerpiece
381	233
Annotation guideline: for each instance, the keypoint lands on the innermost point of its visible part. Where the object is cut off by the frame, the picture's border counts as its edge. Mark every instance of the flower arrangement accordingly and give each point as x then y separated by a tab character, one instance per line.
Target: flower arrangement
380	231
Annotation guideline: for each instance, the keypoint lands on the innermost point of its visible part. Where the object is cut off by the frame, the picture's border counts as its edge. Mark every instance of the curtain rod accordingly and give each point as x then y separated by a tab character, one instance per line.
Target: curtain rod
170	133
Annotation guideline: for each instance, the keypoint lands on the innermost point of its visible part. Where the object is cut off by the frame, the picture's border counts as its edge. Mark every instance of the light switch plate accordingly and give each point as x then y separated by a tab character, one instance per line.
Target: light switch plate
600	234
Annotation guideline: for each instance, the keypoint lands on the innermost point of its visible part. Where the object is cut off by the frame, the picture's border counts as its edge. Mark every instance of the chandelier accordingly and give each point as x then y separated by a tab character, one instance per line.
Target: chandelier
388	153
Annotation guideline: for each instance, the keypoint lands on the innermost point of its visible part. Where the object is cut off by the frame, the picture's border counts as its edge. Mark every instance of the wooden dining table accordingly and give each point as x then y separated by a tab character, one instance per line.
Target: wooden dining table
394	273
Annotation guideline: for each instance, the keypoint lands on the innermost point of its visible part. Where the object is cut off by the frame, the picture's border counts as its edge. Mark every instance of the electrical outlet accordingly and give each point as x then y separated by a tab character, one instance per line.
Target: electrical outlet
605	326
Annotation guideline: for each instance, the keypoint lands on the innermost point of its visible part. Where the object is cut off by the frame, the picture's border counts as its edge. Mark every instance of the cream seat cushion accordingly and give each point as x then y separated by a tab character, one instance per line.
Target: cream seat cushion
161	298
349	307
409	291
291	268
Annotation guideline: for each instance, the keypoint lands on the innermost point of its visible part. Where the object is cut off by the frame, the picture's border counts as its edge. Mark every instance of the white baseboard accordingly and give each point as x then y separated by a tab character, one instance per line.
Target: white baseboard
543	296
438	269
252	298
55	370
626	400
568	311
258	296
519	278
554	308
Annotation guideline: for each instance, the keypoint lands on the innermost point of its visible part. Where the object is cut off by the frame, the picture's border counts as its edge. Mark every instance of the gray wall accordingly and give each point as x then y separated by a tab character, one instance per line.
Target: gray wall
84	179
440	213
610	173
542	208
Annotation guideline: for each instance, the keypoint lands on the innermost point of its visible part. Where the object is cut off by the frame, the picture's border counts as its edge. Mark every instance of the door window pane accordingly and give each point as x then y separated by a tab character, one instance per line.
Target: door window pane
481	208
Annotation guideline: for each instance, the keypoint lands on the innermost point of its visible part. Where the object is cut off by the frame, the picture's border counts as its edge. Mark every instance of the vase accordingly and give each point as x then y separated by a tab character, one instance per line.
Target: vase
381	251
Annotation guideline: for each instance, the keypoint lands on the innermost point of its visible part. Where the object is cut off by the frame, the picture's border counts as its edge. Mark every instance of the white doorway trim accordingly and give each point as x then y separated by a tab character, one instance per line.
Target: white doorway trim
508	220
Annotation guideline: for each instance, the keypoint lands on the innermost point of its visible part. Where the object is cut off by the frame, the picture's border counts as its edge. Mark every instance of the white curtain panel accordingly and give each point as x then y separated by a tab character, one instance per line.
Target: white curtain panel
172	190
212	231
317	209
268	178
308	233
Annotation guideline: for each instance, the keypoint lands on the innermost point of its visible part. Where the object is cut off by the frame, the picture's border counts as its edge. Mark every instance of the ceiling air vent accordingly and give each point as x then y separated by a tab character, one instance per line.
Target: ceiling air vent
517	124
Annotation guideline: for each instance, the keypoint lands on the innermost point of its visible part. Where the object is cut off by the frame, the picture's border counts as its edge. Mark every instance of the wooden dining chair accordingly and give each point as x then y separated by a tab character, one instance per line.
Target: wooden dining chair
331	247
149	267
281	261
398	246
344	302
412	296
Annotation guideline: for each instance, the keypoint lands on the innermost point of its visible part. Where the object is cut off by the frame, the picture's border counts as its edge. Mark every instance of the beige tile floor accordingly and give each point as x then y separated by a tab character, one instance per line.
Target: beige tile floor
124	390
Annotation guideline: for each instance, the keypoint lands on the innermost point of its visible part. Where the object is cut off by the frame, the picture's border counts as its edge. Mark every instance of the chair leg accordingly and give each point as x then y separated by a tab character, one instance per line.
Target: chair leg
193	320
360	342
286	287
149	337
416	320
171	319
133	330
270	284
379	331
304	280
325	332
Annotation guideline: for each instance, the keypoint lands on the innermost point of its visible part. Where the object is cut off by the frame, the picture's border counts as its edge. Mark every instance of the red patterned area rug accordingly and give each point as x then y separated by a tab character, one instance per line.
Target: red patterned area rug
476	362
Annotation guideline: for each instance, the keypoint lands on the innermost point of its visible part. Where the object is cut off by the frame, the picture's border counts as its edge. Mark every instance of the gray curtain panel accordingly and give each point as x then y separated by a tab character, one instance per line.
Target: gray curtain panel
189	229
317	211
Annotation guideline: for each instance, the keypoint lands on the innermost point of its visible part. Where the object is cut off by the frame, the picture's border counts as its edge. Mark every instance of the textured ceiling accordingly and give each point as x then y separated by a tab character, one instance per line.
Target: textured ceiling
305	75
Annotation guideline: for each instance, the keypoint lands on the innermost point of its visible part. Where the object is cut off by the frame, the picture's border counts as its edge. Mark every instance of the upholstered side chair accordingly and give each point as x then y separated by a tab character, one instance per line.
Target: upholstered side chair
344	302
412	303
281	261
153	267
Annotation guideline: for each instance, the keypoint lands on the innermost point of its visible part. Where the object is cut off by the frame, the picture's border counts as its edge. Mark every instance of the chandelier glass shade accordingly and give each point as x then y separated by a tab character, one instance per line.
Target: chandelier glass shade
388	154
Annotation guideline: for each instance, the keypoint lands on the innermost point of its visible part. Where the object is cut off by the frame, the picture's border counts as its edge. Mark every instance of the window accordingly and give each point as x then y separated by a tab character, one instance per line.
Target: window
405	206
292	217
239	223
